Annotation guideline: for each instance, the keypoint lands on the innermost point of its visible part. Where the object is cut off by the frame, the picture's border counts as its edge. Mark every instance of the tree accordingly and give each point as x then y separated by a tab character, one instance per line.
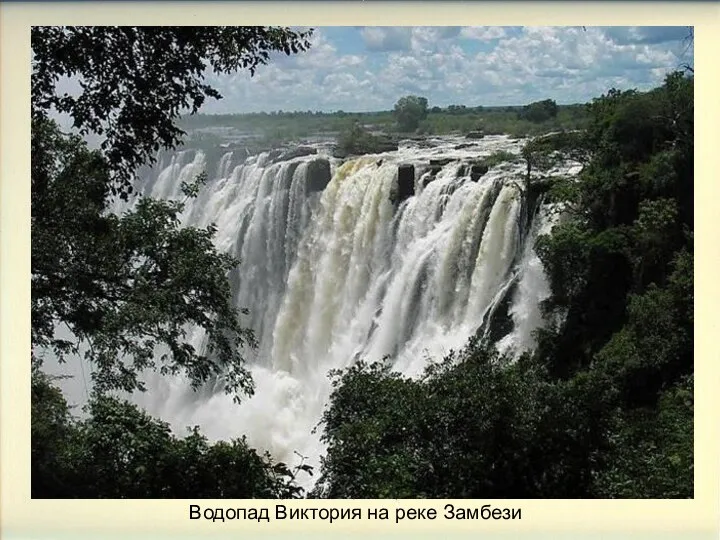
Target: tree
603	407
119	451
49	433
128	285
475	425
539	111
135	81
124	284
689	42
357	141
410	111
632	211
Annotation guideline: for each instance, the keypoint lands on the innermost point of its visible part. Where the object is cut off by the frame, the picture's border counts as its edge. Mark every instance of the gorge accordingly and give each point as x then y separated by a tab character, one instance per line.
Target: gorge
336	266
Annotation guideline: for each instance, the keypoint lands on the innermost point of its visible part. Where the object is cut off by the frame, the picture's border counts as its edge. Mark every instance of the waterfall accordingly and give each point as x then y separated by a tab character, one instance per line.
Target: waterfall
333	269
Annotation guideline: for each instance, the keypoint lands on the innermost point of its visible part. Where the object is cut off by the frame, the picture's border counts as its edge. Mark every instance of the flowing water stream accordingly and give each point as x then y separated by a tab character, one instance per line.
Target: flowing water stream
334	268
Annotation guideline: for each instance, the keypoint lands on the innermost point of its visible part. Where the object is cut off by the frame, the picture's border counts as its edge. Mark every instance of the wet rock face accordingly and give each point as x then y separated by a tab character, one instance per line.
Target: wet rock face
373	145
318	175
386	145
274	155
427	178
463	145
406	182
287	178
285	155
475	135
428	173
440	162
477	170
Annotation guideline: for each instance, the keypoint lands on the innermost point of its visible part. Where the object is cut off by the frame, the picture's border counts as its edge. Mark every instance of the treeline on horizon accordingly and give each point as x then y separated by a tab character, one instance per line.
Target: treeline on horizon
602	408
282	126
229	119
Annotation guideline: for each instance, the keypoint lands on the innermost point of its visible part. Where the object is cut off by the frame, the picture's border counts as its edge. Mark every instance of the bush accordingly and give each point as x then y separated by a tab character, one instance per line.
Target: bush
119	451
358	141
501	156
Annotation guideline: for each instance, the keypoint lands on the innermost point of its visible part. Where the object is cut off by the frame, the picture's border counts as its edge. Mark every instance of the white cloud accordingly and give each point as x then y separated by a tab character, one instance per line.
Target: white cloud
418	38
452	65
380	38
483	33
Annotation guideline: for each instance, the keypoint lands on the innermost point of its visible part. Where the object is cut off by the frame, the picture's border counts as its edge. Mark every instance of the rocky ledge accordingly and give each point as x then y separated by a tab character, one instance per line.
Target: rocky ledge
407	173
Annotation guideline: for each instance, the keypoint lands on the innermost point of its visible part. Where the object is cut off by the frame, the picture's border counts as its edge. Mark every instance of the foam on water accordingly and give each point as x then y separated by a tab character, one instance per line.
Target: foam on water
341	274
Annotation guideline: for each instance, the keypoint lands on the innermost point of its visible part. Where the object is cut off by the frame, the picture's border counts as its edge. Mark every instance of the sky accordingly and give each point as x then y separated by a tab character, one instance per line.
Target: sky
357	69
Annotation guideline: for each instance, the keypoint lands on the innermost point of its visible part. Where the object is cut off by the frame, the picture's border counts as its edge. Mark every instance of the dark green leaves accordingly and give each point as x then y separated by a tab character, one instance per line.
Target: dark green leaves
539	111
136	81
604	406
409	111
119	451
126	285
357	141
474	426
191	190
136	291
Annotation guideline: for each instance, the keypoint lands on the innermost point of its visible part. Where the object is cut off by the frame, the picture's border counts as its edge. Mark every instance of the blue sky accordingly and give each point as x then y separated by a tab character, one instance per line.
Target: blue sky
369	68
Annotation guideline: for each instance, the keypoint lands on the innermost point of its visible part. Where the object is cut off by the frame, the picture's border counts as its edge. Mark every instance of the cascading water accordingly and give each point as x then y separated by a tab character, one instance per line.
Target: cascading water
333	269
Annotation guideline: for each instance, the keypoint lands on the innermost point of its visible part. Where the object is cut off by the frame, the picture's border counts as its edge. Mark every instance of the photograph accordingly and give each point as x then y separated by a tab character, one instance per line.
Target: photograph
353	262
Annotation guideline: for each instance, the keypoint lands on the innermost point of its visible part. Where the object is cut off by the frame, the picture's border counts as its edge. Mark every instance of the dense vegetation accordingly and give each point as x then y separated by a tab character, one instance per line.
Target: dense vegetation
282	126
358	141
409	111
120	452
604	407
540	111
125	286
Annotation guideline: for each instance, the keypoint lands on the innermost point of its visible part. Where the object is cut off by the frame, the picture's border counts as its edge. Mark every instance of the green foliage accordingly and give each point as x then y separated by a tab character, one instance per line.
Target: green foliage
539	111
621	273
501	156
410	111
565	255
654	348
130	286
358	141
627	222
499	121
49	433
546	151
651	450
604	406
274	128
475	426
136	80
126	284
121	452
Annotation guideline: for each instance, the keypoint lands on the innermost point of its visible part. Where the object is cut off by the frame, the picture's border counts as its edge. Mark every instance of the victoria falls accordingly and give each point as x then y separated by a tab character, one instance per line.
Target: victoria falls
417	300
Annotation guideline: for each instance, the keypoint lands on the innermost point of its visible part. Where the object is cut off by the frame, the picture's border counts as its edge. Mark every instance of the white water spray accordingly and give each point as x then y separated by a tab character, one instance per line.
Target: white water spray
332	273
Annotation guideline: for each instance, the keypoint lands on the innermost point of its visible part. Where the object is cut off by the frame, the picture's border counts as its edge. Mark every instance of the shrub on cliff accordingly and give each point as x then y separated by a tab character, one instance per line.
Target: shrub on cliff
358	141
